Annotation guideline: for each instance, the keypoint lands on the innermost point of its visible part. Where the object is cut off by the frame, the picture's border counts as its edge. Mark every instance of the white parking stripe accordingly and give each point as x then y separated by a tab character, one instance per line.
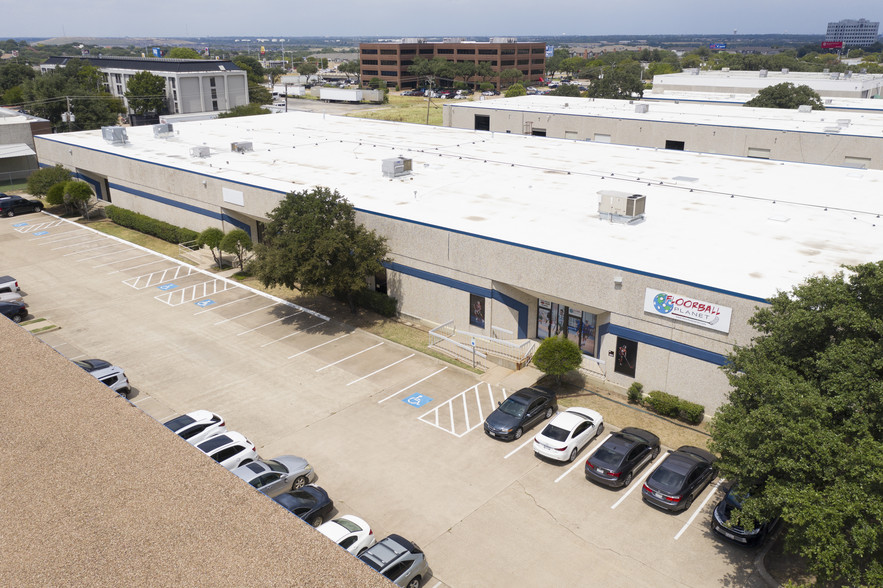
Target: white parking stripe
246	313
349	357
102	255
698	510
75	244
294	333
412	385
90	249
211	308
637	484
380	370
119	260
319	345
578	462
50	240
125	269
270	323
522	446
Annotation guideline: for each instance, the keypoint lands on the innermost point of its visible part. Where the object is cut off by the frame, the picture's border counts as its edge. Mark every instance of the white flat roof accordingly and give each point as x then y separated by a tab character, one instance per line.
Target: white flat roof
816	121
830	102
751	79
745	226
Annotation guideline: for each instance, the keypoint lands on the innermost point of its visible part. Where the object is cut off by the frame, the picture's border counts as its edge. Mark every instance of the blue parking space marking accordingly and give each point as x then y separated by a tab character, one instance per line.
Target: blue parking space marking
40	233
417	400
204	303
20	225
168	286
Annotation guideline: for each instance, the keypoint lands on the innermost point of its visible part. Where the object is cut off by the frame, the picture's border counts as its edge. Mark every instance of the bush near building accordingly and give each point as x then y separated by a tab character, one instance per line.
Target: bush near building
671	406
150	226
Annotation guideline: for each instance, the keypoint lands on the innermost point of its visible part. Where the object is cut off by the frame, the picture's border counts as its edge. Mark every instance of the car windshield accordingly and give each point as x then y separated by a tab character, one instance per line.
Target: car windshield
276	466
348	525
555	433
666	480
608	455
513	407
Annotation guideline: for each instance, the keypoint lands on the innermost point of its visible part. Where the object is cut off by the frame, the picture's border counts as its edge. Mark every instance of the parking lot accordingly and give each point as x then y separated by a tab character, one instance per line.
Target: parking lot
395	436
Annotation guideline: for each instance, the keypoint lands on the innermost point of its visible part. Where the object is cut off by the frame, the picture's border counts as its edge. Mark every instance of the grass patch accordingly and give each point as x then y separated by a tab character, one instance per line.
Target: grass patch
410	109
14	187
110	228
42	329
32	321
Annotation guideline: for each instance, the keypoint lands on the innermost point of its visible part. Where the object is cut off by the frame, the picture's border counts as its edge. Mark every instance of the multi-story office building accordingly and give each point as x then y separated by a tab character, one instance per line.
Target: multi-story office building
852	33
192	85
391	61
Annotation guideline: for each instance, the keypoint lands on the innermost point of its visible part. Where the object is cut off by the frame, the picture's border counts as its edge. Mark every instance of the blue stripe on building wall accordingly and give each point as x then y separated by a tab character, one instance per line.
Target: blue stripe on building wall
519	307
663	343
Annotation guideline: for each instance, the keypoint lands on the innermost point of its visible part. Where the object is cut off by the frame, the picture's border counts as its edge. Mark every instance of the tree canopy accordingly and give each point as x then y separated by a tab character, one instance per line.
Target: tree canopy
557	355
802	432
515	90
183	53
212	238
238	243
786	95
146	92
314	243
250	109
621	82
44	178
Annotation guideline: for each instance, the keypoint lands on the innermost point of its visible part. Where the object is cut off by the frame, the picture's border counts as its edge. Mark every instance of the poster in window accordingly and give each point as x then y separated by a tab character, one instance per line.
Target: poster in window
558	310
476	311
544	319
626	356
574	324
587	334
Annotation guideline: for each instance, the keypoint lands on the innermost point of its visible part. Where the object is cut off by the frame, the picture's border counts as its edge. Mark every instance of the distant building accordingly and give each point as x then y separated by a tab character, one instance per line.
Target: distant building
17	156
390	61
852	33
825	84
192	85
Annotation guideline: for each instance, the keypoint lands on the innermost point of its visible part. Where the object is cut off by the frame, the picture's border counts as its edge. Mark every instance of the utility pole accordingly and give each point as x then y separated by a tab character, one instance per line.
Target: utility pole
429	98
68	99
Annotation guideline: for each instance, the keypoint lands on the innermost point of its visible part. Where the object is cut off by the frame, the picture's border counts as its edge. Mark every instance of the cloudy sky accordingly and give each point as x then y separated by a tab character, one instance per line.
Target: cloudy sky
397	18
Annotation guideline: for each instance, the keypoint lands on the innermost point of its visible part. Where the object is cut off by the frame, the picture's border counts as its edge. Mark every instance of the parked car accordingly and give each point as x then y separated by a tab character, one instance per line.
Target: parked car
519	412
568	433
720	521
678	480
108	374
350	532
399	560
10	297
11	205
311	503
8	284
15	310
197	426
621	456
230	449
275	476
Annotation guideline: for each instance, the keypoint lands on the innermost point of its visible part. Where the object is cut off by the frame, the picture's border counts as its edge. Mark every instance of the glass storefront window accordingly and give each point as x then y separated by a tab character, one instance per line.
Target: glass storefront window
557	319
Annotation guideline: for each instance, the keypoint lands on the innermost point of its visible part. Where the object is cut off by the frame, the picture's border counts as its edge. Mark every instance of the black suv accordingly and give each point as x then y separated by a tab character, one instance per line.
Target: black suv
680	478
519	412
621	456
12	205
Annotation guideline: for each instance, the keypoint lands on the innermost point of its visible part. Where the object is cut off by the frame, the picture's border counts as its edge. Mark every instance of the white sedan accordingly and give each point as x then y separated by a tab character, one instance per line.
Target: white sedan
197	426
350	532
568	433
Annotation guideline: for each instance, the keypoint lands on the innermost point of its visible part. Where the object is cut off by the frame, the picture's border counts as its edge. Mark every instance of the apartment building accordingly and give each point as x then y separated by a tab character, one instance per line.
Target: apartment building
852	33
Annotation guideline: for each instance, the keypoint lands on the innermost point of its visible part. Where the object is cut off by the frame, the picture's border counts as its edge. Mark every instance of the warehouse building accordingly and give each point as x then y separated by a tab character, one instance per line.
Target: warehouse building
18	159
804	135
653	261
831	104
825	84
192	85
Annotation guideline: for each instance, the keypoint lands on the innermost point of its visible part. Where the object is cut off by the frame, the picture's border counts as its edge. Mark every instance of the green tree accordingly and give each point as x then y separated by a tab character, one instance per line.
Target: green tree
515	90
313	242
572	65
802	431
250	109
484	72
77	195
557	356
13	74
55	194
183	53
252	67
349	68
786	95
146	92
511	76
566	90
306	68
620	82
553	64
238	243
44	178
212	238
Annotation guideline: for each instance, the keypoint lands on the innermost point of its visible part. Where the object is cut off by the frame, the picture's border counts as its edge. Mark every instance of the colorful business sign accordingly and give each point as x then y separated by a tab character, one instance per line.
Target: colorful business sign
832	44
689	310
717	46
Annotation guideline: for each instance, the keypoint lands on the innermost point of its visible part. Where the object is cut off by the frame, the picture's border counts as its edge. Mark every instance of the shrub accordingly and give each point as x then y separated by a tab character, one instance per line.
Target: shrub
663	403
691	412
43	179
149	226
636	393
380	303
55	194
556	356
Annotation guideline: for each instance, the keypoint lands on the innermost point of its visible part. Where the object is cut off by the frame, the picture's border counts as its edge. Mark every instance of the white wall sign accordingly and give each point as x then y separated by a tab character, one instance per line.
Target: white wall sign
233	196
690	310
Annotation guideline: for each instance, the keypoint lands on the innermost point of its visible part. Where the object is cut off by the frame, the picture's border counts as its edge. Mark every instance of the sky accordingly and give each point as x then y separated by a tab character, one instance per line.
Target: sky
416	18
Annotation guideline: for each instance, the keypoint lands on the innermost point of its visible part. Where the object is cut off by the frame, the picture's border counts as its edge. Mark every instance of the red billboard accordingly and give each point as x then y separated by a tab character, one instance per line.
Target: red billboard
832	44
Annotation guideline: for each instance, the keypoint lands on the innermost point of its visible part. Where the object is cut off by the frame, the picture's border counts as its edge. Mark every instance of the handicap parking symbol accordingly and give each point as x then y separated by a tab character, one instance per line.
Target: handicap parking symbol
20	225
204	303
167	286
41	233
417	400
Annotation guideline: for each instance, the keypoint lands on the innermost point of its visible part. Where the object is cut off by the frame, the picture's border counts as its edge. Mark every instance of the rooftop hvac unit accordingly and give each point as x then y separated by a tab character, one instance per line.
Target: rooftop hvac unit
804	108
832	129
642	108
241	146
725	69
163	130
395	167
843	122
835	76
763	73
694	71
621	207
200	151
785	70
848	74
114	135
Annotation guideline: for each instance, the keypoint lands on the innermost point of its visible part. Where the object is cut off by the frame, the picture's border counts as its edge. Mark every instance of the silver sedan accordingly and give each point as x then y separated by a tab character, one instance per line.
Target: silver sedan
275	476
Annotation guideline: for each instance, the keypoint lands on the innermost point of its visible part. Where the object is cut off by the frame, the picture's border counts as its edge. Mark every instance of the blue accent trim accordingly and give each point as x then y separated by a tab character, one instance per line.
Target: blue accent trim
663	343
508	301
183	206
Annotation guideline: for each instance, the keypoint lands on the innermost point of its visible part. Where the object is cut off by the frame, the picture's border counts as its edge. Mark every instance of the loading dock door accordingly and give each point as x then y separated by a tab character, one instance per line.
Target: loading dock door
482	122
674	145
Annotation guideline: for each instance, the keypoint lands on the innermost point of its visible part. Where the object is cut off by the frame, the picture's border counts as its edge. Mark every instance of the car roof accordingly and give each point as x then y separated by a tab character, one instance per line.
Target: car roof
94	364
251	470
698	453
573	416
388	550
683	462
530	394
215	442
639	435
